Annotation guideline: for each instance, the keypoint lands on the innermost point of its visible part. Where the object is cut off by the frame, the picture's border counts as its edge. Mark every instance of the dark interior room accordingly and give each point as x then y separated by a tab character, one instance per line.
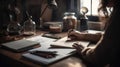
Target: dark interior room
59	33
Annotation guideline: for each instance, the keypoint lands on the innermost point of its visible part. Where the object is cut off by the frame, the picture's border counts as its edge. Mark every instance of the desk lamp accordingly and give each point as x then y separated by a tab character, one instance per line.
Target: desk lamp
83	19
51	4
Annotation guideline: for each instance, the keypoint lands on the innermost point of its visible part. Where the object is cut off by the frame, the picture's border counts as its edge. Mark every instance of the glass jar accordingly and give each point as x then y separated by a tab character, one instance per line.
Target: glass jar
55	28
69	21
14	28
29	27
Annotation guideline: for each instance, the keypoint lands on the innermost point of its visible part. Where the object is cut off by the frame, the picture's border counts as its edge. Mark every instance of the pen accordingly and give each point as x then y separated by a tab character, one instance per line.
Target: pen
45	54
69	31
49	52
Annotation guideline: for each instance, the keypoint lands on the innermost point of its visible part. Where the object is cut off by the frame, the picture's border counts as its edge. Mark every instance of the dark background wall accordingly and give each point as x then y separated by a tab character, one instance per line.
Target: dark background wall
34	8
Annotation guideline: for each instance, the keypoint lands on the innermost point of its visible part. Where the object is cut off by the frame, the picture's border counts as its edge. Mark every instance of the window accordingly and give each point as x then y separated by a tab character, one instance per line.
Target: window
92	6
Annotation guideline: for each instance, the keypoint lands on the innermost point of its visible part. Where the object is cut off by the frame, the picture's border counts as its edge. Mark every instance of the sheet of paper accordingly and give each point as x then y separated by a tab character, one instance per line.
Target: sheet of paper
63	43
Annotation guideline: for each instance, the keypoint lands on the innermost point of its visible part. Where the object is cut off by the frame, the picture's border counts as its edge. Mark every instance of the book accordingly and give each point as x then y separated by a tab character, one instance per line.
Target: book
64	43
19	45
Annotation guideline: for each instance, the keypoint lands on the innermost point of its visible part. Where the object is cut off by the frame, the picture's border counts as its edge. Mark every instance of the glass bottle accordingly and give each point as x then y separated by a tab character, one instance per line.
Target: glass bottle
29	27
14	27
69	21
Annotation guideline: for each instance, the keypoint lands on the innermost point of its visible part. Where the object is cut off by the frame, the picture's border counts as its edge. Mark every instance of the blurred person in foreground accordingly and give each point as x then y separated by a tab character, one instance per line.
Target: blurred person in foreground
107	48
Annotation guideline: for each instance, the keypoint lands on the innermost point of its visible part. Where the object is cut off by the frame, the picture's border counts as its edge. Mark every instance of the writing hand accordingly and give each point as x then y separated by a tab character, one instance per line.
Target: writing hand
73	34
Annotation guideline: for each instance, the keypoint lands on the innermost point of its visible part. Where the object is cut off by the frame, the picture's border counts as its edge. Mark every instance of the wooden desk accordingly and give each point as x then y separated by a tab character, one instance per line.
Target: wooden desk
15	60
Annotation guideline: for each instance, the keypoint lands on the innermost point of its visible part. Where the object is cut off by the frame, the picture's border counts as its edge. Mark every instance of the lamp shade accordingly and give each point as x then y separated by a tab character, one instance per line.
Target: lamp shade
84	10
52	4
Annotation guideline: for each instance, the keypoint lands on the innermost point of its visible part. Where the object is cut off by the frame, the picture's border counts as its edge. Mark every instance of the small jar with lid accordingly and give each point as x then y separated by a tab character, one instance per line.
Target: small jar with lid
69	21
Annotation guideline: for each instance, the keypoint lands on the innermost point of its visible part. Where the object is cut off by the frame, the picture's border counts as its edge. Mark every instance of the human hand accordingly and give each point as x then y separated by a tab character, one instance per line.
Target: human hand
73	34
79	47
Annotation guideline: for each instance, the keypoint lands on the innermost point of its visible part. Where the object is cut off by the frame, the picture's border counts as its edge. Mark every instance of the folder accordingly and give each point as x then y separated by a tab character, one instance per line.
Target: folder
60	55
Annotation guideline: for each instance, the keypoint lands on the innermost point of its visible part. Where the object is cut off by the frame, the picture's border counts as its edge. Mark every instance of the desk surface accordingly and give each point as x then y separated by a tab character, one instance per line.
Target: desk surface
16	60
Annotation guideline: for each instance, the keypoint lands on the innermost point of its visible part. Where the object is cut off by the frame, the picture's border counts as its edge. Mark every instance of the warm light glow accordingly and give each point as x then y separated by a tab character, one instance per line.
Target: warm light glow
87	3
74	65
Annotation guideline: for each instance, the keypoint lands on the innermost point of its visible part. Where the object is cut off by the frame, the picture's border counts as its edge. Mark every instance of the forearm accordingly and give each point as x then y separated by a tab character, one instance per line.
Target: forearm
85	36
93	37
90	37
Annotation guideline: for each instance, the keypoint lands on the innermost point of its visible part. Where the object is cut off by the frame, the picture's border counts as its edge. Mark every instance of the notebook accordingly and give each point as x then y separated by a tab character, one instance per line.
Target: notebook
19	45
63	43
61	54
